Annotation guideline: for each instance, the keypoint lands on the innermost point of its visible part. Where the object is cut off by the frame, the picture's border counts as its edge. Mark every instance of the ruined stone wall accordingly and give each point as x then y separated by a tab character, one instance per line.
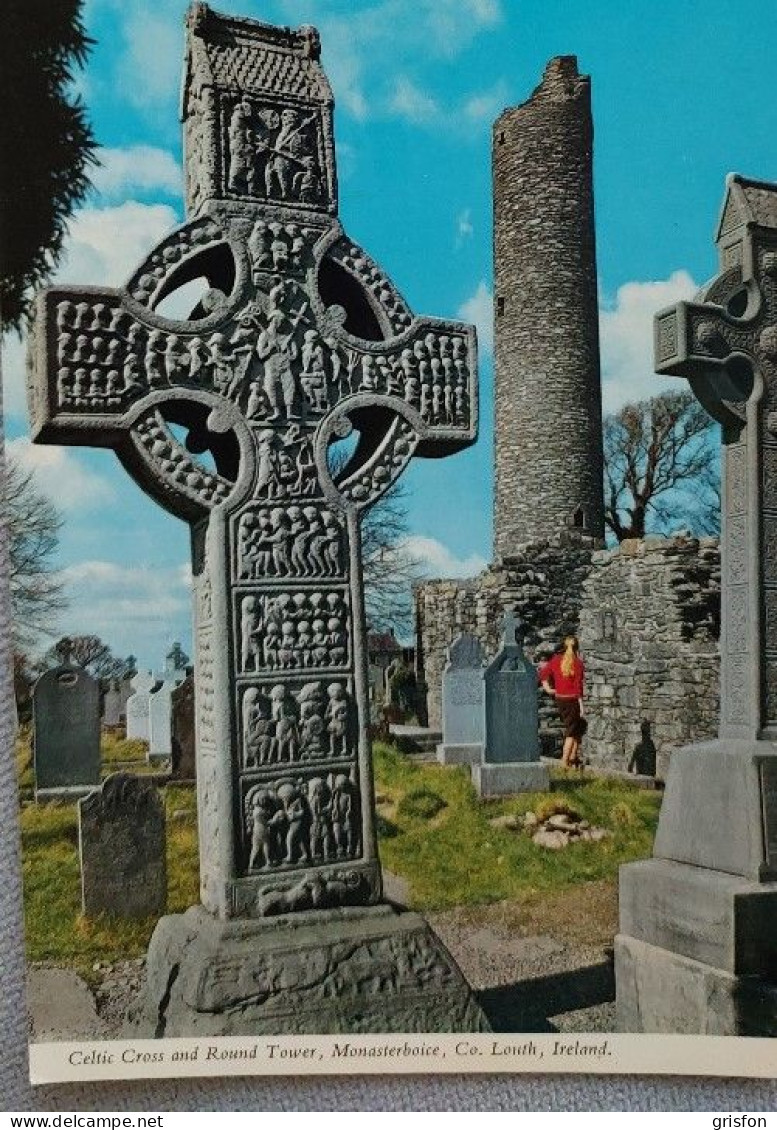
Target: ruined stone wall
543	583
649	626
548	426
648	616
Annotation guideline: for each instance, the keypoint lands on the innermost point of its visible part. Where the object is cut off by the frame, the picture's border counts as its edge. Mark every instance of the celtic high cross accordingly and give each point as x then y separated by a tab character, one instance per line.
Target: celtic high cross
226	417
725	343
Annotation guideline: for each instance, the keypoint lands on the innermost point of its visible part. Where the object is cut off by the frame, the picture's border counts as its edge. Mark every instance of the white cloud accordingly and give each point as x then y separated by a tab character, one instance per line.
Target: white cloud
363	50
138	167
486	105
436	560
626	329
135	609
104	245
61	475
410	102
479	309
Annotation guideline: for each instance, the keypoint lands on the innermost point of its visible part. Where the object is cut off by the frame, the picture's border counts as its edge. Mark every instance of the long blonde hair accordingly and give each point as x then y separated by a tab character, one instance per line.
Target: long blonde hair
571	648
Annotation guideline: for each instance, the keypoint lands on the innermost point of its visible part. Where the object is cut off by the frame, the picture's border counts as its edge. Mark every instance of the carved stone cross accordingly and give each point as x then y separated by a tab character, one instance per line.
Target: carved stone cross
725	343
226	418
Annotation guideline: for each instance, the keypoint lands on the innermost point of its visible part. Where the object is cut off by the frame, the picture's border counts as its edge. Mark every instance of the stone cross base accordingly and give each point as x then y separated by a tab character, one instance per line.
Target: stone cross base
697	948
507	777
662	991
448	754
362	969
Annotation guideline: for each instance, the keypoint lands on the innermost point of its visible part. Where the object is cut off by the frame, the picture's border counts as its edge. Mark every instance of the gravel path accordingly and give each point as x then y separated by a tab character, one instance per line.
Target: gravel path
537	983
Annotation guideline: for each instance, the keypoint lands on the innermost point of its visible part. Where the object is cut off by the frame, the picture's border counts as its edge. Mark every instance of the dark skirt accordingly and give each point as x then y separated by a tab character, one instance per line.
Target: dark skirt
569	713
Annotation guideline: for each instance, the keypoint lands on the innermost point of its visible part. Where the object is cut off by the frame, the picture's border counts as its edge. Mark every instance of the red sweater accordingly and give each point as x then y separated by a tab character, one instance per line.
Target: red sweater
565	687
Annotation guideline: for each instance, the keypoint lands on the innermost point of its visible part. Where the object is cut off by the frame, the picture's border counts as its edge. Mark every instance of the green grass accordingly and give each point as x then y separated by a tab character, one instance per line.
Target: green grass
456	858
55	928
118	751
433	831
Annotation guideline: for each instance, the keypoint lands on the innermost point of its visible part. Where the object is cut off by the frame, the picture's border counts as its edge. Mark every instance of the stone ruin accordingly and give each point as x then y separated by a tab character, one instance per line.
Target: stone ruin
299	341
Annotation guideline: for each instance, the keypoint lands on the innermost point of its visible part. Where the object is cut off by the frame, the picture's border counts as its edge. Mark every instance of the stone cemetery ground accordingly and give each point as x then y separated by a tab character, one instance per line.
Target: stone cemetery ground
530	927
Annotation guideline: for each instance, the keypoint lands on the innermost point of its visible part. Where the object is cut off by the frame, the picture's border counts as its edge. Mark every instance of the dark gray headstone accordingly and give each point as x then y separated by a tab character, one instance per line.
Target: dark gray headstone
182	700
121	837
511	754
510	713
66	721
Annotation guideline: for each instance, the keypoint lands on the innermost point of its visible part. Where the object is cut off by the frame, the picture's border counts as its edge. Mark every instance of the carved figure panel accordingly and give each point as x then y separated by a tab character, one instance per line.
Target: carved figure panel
290	541
274	152
294	630
297	820
289	722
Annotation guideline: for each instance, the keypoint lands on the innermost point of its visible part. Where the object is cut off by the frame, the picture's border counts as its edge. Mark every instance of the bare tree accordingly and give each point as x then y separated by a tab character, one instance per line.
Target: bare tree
389	569
32	528
661	467
91	653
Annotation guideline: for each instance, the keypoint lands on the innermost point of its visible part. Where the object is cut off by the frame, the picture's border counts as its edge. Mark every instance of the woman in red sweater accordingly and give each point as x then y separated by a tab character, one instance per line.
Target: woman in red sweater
563	677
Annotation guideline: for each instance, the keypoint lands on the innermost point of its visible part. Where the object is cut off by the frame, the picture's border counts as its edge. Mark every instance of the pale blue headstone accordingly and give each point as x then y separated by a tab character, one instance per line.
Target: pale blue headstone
462	703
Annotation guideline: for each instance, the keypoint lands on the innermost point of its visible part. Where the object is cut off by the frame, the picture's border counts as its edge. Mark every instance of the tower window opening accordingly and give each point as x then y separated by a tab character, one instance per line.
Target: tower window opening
500	307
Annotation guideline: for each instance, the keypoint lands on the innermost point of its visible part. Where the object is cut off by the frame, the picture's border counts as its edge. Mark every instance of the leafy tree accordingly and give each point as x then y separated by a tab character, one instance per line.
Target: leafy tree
46	142
661	467
32	528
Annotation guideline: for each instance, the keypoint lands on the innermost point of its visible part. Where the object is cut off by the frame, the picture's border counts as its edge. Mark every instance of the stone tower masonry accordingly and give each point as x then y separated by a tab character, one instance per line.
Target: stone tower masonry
548	414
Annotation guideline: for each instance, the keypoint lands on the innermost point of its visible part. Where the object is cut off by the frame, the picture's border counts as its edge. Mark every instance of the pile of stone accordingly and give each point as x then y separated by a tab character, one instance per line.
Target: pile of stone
560	829
555	831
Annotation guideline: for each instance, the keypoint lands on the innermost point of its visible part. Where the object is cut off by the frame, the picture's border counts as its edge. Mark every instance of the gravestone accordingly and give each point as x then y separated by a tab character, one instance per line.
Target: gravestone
125	690
112	704
183	757
697	948
160	722
122	848
138	705
300	340
463	702
511	751
66	732
176	663
160	706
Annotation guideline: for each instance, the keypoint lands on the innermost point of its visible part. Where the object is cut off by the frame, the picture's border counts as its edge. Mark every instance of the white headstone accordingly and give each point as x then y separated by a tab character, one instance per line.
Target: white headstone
138	706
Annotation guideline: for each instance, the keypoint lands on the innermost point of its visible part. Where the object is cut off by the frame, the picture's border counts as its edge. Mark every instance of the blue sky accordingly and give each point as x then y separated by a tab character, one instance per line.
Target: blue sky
682	95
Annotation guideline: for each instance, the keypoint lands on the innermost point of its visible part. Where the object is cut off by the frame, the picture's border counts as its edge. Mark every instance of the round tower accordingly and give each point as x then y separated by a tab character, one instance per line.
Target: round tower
547	396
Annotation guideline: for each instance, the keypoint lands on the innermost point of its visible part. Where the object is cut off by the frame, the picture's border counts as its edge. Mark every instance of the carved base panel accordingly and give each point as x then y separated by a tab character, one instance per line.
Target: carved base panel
364	969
